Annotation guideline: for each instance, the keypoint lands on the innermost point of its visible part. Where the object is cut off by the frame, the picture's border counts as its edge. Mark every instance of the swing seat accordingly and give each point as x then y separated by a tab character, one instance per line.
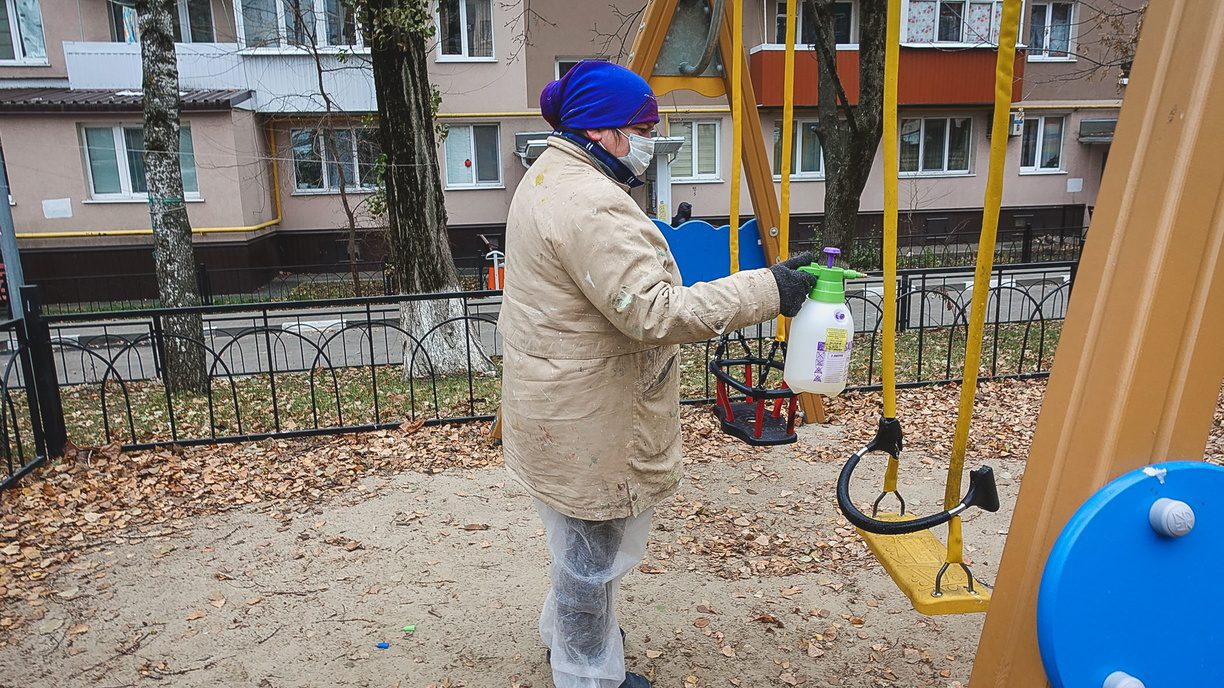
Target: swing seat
741	424
914	560
751	419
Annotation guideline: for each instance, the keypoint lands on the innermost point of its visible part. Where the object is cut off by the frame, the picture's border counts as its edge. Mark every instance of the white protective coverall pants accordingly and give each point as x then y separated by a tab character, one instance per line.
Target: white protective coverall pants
578	623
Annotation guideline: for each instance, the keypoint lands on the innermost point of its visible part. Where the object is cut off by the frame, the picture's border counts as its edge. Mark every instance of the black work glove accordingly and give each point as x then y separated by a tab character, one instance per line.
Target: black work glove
793	285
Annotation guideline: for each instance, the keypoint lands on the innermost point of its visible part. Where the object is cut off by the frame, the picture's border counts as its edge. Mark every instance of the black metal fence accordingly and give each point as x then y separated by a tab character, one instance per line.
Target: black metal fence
339	365
1015	245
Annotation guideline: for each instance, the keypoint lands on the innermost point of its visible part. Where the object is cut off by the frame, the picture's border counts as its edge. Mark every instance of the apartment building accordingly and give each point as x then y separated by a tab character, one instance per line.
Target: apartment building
262	180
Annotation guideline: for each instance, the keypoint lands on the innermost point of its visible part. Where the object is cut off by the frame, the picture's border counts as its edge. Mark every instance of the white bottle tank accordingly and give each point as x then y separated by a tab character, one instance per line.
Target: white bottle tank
822	333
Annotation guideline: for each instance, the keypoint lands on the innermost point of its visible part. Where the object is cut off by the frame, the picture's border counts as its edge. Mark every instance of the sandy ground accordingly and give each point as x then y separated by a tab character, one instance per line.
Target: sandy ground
301	594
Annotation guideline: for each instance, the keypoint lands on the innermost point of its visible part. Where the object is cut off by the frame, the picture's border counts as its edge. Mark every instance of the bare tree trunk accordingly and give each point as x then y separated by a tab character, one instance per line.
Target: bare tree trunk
172	249
416	212
849	136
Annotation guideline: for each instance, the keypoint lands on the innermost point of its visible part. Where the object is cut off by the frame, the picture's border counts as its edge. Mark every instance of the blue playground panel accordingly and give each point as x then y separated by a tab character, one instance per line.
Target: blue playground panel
1117	596
703	251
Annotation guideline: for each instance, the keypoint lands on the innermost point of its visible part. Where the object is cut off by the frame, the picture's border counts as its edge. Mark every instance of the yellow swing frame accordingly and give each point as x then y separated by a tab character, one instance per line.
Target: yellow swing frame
749	159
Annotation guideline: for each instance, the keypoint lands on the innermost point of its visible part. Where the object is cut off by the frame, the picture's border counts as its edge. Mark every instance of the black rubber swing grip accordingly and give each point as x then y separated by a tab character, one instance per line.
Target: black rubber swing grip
982	493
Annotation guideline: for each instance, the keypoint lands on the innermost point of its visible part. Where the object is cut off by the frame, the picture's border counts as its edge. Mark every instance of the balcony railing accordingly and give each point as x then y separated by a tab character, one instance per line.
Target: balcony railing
282	80
927	75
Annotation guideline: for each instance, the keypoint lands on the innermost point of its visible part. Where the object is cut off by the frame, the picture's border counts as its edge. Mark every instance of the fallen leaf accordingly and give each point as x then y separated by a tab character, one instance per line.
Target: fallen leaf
252	601
654	654
197	614
701	622
476	526
728	651
217	602
77	629
769	619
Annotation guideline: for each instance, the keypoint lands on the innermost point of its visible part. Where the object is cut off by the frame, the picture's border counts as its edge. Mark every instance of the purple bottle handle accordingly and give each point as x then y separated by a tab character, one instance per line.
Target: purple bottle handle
831	254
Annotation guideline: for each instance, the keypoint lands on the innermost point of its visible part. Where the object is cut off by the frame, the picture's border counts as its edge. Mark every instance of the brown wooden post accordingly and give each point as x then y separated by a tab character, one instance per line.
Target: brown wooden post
1140	361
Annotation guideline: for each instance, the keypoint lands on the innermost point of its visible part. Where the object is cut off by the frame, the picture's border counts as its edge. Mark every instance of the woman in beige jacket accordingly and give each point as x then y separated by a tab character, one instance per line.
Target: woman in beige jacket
592	319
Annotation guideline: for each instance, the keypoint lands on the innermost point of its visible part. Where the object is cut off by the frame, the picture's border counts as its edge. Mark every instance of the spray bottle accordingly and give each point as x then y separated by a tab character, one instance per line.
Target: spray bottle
821	335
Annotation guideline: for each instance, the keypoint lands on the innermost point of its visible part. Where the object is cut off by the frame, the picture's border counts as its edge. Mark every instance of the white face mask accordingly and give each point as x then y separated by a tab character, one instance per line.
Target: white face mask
641	152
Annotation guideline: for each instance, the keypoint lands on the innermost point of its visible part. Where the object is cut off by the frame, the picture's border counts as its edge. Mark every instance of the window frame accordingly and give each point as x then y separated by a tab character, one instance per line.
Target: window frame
325	163
697	177
797	151
283	46
126	194
559	59
1040	147
990	42
1044	55
947	143
463	36
20	59
771	19
476	183
184	22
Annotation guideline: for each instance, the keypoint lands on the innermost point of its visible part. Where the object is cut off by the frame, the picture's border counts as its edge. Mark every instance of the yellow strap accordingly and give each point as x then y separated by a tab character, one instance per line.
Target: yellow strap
890	474
888	349
737	124
788	143
1008	30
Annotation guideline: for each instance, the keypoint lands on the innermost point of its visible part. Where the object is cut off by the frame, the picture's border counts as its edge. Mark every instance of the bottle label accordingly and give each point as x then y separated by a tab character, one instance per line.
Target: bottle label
833	356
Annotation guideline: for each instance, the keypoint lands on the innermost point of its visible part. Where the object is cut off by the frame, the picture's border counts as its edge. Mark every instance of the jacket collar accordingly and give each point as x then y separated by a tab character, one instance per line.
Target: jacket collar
573	150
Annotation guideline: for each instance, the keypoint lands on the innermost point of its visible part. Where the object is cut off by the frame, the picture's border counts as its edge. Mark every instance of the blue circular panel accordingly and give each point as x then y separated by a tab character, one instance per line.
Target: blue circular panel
1116	596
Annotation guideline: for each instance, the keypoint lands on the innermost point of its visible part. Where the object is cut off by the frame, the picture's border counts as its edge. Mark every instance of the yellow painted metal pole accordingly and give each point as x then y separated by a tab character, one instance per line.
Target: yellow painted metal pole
737	126
1004	67
1140	360
890	143
788	144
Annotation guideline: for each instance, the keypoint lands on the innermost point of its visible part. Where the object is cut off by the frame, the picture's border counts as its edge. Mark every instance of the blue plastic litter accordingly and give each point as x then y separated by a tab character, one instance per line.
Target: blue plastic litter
383	645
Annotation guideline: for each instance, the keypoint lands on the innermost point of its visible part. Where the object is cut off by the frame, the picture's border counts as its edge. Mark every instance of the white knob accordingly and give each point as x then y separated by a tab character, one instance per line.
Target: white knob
1121	679
1171	517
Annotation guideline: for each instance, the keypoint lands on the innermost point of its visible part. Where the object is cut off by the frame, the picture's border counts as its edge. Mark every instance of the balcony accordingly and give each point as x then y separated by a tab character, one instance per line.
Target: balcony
927	76
283	81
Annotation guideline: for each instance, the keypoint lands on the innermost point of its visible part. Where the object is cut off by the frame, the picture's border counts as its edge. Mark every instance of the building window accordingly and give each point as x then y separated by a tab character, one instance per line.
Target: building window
806	24
281	23
936	145
114	158
808	160
473	156
194	22
953	21
465	29
1041	148
1050	31
21	36
323	157
697	159
564	64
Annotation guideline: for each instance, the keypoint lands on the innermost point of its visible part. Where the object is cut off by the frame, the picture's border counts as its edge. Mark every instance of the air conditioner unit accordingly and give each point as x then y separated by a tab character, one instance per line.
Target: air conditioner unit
1017	123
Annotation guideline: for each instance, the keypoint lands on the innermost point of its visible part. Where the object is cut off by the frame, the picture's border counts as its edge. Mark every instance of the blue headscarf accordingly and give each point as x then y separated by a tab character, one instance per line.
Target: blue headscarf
599	95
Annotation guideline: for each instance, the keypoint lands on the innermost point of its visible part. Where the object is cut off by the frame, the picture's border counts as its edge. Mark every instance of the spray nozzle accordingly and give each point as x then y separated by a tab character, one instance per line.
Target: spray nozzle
830	280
